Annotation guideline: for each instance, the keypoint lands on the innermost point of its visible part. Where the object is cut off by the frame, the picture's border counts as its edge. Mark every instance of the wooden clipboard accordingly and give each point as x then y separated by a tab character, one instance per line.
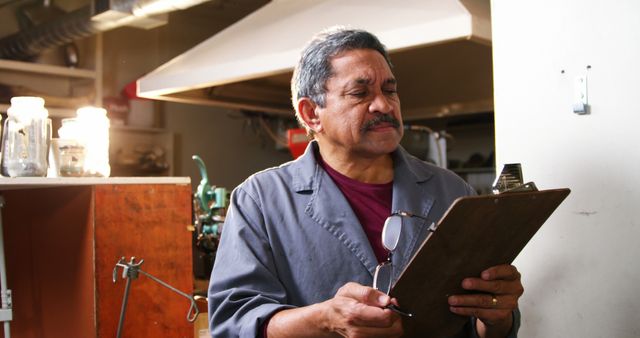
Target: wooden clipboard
477	232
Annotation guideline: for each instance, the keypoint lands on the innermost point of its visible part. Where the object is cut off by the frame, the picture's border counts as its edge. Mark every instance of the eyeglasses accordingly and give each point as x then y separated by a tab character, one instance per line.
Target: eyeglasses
383	276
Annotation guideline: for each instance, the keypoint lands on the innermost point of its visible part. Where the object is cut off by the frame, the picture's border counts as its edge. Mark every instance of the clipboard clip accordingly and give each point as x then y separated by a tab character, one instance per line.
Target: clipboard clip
510	180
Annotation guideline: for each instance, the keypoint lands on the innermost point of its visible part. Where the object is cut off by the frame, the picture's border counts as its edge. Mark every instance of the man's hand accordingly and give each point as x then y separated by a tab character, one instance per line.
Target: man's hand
358	311
500	289
355	311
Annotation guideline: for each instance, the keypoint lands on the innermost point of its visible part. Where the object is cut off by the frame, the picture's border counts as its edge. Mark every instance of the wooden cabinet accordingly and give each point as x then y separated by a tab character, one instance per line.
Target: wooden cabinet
62	243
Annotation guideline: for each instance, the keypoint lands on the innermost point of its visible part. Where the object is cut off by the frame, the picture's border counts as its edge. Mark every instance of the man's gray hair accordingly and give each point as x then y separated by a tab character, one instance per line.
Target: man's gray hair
314	67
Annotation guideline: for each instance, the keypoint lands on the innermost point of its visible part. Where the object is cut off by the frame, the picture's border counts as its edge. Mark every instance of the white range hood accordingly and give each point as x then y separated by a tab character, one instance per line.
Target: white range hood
441	50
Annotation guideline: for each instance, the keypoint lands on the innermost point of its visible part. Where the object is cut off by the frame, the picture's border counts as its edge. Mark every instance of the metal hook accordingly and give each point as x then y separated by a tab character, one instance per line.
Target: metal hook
130	271
192	309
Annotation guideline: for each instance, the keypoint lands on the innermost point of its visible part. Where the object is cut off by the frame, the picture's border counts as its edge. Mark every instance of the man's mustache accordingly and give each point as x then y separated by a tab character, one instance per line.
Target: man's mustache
382	118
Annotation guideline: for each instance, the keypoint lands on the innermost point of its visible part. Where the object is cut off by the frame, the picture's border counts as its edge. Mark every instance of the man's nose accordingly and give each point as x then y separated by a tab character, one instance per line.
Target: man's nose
381	104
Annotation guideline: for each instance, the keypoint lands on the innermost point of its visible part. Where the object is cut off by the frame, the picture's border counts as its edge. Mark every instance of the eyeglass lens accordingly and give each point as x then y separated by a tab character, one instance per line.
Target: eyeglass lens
391	232
382	277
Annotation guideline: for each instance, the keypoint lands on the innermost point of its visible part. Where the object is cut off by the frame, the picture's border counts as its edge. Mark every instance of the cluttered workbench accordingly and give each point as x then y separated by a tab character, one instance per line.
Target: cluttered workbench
63	237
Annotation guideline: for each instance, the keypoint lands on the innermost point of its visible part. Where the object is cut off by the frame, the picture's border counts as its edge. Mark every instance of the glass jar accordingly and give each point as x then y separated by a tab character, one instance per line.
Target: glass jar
95	138
70	150
25	143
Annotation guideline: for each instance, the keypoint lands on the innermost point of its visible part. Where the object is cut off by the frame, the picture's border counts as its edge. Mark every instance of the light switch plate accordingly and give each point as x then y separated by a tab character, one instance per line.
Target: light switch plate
580	95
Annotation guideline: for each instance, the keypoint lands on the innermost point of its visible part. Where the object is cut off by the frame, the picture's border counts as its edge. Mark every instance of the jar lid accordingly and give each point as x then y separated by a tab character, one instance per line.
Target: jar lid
27	100
70	129
27	106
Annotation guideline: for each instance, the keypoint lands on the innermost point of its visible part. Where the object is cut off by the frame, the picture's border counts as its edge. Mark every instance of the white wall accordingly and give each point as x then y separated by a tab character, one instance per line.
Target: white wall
581	271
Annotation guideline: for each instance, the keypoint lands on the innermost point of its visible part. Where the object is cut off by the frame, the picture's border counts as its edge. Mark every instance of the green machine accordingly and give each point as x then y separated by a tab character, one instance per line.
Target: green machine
209	206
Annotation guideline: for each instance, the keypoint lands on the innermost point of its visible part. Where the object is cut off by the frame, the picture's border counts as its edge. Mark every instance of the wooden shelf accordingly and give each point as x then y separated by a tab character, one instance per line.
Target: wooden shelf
135	129
37	68
53	112
64	89
14	183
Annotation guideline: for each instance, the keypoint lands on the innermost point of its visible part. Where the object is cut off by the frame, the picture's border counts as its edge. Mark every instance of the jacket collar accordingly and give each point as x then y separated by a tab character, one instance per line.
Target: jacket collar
410	194
329	208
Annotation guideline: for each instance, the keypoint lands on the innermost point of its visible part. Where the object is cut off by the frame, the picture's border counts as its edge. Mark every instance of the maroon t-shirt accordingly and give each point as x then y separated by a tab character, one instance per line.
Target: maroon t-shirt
370	202
372	205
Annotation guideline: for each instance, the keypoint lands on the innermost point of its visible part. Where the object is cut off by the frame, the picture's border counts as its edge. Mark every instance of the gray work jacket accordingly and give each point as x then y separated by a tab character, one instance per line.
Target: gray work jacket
290	238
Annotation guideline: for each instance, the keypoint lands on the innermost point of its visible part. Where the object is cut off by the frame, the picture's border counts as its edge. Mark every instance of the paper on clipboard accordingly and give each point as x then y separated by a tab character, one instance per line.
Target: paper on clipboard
477	232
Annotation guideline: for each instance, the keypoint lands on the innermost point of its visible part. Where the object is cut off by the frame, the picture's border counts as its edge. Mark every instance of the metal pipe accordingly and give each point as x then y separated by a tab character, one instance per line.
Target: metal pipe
31	42
78	24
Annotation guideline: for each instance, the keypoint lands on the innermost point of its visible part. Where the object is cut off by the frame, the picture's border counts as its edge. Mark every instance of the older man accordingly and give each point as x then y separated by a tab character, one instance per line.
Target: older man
302	241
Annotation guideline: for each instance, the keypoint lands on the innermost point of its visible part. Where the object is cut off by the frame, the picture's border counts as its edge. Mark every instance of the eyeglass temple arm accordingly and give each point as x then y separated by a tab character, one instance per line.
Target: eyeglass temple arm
432	226
408	214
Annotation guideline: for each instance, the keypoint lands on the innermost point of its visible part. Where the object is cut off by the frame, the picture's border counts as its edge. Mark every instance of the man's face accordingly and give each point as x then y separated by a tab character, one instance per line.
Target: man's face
362	110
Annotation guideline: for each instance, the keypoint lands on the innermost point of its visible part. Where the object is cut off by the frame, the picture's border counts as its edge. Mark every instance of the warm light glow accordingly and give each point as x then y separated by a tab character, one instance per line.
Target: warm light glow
94	134
154	7
27	107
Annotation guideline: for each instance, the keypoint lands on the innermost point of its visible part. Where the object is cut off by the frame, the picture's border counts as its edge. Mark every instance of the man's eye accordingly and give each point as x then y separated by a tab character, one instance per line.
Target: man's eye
359	94
391	91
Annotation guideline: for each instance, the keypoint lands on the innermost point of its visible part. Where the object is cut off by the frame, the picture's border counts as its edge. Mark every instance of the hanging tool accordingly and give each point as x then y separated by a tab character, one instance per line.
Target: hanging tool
130	271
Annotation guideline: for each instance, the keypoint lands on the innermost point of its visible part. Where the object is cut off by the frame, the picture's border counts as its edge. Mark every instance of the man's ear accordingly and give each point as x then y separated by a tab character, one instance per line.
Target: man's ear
309	113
